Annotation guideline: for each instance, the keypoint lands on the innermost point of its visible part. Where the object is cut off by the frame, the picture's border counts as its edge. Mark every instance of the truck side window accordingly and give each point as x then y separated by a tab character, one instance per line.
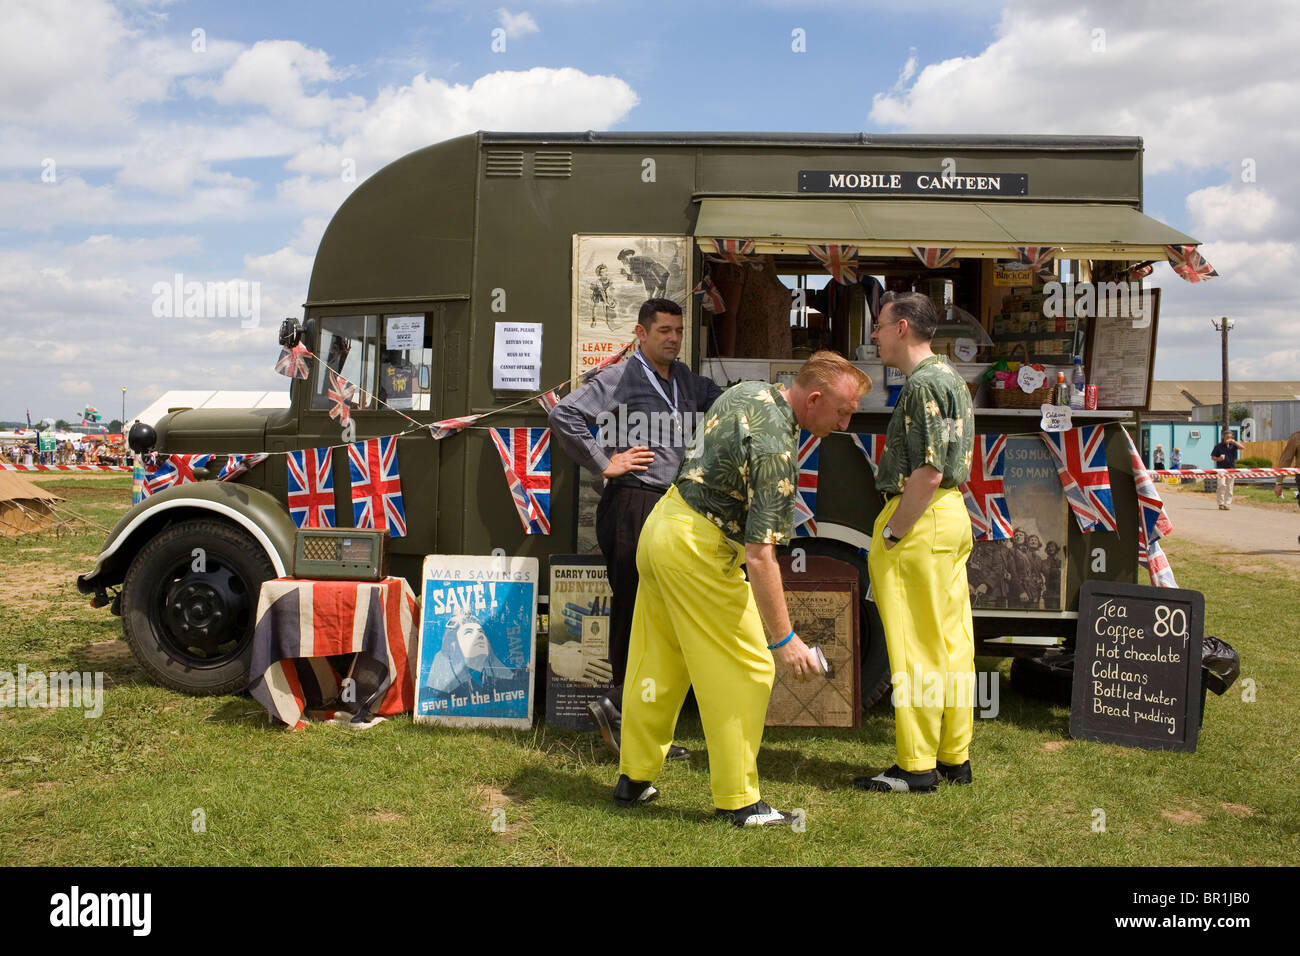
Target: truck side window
348	344
399	369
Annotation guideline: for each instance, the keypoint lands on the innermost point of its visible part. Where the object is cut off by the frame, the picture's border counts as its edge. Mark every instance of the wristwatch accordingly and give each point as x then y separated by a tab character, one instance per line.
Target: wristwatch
888	534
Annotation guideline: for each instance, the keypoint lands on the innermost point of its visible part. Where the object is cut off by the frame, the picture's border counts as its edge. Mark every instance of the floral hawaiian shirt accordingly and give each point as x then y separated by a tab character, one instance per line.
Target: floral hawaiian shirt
741	468
932	425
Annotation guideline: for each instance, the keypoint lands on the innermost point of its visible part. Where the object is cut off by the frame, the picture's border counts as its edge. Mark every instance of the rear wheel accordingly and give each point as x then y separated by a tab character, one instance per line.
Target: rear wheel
188	606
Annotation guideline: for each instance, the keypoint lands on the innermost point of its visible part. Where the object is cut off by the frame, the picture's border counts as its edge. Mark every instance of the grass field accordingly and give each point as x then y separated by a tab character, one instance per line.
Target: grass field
130	786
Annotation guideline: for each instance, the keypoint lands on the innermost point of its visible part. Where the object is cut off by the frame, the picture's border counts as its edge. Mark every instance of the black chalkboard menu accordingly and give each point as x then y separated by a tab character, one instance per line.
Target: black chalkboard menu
1137	666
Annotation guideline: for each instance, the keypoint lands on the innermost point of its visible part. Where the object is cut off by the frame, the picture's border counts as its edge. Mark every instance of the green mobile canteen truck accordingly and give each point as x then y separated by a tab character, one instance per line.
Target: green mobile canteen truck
566	234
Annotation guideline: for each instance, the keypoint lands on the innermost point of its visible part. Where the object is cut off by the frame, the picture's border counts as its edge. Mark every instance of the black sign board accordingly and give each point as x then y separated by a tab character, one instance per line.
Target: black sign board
1137	666
876	182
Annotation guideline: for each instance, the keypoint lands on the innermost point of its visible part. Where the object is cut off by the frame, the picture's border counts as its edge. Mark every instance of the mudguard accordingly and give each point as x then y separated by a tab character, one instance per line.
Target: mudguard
258	513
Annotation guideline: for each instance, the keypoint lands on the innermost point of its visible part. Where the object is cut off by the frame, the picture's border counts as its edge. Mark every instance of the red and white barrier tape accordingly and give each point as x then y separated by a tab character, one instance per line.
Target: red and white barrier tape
1226	472
8	467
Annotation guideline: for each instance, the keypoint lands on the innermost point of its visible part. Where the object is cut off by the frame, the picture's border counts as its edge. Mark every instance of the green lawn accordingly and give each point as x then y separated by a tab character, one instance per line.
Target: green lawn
125	788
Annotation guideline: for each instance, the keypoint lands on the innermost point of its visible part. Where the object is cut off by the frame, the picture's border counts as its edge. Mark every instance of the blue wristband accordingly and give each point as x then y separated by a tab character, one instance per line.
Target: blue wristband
785	640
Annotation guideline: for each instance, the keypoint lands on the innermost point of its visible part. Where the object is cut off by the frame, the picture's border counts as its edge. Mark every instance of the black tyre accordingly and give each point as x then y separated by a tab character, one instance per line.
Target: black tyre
1049	677
189	622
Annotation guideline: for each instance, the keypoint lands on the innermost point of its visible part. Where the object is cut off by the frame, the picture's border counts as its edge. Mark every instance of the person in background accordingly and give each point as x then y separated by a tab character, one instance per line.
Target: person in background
1290	458
1158	458
1176	459
1225	457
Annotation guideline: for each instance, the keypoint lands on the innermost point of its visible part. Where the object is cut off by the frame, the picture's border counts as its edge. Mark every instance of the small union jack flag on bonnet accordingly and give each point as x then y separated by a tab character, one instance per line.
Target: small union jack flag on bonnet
178	470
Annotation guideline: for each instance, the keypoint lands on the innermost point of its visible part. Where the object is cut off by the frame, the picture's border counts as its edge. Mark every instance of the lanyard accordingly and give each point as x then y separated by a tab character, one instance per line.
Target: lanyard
654	383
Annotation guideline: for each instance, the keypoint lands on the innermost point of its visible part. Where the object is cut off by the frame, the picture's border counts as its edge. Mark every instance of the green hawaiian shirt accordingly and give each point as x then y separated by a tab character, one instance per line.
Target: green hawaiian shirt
932	425
741	468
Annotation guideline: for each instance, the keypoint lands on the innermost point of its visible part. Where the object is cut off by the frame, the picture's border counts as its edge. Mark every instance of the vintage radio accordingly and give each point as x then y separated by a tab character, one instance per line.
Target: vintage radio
343	553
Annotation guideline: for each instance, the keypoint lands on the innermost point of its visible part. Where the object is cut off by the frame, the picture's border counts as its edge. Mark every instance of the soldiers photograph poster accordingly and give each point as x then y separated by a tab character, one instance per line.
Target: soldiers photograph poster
477	637
1027	571
612	276
578	668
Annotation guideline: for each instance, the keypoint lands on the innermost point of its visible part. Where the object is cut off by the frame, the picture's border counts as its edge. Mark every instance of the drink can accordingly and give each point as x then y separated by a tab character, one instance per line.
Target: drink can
1090	397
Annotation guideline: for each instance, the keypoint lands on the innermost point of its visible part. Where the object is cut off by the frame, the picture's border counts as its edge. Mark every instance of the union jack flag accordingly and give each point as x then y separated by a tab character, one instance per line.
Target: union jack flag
377	486
984	491
711	298
1140	270
934	257
311	487
735	251
236	465
179	470
872	448
805	502
1036	257
1153	523
1080	457
340	392
450	426
548	400
1189	263
526	458
294	362
840	261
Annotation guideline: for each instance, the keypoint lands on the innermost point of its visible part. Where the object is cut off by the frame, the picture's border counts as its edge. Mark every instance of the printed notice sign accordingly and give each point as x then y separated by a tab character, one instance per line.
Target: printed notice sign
404	332
517	357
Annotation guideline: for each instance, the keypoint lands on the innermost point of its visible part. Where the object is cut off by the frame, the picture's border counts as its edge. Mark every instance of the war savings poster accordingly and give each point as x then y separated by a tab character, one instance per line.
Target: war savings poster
578	668
477	639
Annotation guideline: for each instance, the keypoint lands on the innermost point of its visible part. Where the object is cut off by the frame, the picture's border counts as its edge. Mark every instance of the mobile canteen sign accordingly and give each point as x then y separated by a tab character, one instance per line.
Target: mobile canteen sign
912	183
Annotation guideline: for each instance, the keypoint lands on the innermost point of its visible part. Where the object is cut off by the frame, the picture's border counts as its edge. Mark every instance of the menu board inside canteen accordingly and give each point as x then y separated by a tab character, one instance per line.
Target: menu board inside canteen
1121	352
1137	666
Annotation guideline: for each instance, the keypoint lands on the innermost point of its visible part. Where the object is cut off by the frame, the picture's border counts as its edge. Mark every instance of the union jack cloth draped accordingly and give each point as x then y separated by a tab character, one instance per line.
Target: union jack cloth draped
934	257
302	627
294	362
236	465
735	251
840	261
450	426
311	487
179	470
340	392
1189	263
710	297
1080	457
526	459
377	486
1036	257
805	502
1153	523
984	491
872	448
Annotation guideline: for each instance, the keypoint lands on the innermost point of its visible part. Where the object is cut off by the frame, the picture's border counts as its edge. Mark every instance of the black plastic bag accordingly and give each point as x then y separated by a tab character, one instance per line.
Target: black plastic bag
1220	664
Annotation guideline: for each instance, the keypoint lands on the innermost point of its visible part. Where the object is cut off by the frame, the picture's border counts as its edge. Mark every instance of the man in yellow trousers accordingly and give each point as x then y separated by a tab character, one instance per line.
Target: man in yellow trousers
697	620
919	549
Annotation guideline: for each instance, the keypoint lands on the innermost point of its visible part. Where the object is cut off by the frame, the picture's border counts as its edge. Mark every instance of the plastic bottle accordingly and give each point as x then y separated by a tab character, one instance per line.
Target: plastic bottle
1062	394
1076	392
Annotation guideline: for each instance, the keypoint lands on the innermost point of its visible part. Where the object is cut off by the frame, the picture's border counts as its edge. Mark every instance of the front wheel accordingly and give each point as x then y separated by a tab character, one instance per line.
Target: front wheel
188	606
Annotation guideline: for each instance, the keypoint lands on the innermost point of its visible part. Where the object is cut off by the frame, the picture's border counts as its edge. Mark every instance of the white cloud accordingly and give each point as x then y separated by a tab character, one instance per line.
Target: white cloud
1233	210
517	24
274	74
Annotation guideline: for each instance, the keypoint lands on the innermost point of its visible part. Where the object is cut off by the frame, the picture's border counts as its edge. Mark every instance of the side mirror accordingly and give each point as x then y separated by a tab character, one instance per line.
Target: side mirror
141	438
290	333
424	378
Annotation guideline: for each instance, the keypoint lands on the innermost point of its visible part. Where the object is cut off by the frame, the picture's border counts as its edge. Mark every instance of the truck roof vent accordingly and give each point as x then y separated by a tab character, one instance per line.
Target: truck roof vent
505	162
552	165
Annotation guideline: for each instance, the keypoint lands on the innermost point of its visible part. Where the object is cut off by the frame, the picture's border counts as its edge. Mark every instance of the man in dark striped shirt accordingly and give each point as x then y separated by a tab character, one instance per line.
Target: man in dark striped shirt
644	409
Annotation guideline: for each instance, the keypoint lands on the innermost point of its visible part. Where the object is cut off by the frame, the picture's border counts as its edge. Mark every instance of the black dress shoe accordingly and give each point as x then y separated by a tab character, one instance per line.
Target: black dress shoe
632	793
897	780
608	721
958	773
678	753
756	815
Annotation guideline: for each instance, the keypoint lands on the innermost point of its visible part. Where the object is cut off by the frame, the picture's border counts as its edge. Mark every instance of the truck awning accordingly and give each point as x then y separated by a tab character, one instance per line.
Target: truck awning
981	230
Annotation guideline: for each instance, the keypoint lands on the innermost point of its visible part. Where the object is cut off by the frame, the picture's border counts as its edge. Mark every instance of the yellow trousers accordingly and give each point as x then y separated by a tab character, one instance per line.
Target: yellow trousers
921	592
695	622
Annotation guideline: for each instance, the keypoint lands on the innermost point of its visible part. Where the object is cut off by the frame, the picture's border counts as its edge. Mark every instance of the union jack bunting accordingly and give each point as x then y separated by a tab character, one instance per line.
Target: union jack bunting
294	362
1140	270
1153	523
1036	257
526	459
711	298
450	426
1189	263
236	465
840	261
548	400
872	448
1080	457
377	486
614	359
311	487
805	502
984	491
934	257
179	470
340	392
735	251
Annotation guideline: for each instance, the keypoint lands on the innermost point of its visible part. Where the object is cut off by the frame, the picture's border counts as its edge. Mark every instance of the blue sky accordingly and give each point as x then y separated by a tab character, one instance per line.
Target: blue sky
222	163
